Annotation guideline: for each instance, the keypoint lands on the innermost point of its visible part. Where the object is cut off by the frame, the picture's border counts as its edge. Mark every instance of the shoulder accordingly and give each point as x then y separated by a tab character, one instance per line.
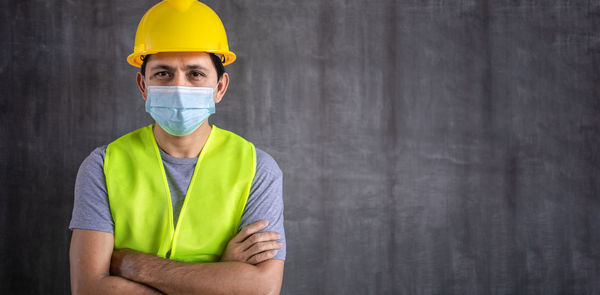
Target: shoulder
266	165
94	160
90	176
90	206
267	184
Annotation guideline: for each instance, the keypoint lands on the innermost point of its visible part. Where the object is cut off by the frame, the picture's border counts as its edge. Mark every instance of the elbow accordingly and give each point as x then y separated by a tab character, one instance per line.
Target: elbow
77	286
269	288
266	289
88	285
273	290
263	286
269	281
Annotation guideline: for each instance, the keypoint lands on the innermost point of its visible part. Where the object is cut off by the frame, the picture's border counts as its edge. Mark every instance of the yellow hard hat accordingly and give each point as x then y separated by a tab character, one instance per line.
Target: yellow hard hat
180	25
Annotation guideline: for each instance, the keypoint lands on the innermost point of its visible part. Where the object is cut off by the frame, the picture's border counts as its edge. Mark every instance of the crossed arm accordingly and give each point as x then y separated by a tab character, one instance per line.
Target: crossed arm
245	268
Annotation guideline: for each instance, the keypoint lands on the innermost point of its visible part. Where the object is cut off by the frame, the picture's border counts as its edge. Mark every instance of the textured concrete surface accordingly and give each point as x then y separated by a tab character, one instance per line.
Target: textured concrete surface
428	147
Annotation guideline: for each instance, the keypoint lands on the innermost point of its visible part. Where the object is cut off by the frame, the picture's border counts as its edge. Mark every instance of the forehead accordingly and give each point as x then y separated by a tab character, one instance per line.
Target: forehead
181	59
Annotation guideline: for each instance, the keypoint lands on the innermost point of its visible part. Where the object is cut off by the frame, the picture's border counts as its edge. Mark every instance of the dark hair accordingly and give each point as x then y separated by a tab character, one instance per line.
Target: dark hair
217	62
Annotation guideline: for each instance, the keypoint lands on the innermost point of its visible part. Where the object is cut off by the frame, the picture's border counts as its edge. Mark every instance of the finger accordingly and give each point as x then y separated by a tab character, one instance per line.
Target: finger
260	257
260	237
262	247
249	230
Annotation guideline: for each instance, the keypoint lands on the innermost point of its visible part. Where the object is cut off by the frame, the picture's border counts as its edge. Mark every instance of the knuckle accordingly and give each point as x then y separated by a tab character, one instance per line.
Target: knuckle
252	260
254	226
254	238
267	255
254	249
273	236
258	258
268	236
251	228
259	237
262	247
238	255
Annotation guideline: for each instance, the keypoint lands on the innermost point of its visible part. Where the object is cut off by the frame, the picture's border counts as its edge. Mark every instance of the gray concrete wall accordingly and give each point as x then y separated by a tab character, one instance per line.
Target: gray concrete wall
428	147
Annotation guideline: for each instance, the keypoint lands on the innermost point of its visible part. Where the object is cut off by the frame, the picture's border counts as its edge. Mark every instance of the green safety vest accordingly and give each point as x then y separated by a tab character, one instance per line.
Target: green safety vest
140	200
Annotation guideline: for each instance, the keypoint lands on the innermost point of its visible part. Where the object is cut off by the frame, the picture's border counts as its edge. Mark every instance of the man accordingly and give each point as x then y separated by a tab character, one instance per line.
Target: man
180	206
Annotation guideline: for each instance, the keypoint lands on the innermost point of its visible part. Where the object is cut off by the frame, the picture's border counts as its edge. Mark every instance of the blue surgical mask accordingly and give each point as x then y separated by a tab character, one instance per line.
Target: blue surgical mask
180	110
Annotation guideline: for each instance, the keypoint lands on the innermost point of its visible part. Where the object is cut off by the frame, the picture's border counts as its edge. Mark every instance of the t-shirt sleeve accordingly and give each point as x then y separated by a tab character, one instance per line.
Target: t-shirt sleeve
90	207
265	200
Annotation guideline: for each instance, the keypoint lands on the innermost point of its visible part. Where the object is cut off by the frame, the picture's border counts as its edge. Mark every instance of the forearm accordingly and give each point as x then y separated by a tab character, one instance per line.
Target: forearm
89	258
173	277
112	285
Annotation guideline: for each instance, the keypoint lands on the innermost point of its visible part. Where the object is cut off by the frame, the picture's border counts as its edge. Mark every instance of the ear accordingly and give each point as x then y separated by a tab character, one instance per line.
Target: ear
221	88
141	85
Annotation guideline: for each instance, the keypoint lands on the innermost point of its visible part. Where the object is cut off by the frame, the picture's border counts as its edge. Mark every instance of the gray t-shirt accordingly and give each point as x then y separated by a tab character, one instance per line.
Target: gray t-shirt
91	210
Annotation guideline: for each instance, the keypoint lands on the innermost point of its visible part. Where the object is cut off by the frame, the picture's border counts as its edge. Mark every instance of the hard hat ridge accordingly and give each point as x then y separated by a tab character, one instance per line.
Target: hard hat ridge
180	5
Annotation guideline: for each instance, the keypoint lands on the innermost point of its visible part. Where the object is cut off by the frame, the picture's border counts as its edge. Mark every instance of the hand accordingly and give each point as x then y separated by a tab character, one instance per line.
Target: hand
252	247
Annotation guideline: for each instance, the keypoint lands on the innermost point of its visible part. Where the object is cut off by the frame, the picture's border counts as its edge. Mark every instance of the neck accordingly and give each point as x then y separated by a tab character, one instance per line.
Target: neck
188	146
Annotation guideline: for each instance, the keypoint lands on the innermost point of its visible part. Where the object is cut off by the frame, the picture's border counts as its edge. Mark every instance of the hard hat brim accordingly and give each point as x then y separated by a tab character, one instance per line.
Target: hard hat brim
135	59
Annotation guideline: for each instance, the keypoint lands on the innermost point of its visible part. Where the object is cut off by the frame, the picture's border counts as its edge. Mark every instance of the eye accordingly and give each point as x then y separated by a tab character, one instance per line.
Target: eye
197	74
163	74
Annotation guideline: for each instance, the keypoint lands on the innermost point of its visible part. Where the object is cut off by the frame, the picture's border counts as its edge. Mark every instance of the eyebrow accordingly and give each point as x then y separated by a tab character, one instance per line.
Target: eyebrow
169	68
194	67
164	67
